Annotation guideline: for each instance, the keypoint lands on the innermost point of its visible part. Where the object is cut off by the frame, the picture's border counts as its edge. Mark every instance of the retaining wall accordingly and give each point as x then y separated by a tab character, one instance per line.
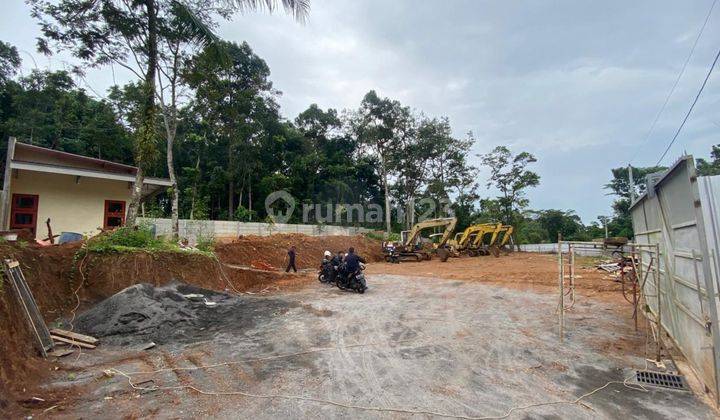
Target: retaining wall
194	229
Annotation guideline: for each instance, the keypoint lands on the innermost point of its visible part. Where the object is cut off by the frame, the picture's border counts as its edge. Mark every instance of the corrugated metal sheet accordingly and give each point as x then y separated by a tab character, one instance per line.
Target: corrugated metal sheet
674	215
710	199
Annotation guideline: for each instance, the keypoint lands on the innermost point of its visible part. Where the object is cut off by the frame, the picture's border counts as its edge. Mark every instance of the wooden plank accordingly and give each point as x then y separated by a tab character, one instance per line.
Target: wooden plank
27	301
73	342
74	336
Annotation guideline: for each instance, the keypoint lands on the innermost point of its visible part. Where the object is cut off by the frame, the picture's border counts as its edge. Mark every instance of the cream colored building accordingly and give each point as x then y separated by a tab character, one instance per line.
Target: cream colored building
76	193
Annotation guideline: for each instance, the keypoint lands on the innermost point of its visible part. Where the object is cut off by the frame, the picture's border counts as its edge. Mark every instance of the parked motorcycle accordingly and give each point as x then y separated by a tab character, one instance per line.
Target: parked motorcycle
346	281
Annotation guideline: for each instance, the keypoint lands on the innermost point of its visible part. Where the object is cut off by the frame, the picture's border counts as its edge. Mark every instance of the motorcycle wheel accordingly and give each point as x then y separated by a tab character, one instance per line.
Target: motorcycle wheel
321	278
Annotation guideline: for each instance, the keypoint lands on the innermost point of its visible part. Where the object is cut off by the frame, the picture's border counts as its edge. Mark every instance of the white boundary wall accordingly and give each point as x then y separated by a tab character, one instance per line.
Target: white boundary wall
585	251
194	229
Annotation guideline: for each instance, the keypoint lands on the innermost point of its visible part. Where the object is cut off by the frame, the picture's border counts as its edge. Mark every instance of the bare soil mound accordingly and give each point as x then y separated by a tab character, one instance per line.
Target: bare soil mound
272	250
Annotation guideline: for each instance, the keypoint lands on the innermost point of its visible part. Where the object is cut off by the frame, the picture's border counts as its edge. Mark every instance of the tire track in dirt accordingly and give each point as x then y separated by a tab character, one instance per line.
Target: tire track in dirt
408	379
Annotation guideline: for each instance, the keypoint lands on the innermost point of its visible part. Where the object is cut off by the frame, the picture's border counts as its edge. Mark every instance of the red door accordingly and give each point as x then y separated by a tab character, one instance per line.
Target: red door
23	212
114	214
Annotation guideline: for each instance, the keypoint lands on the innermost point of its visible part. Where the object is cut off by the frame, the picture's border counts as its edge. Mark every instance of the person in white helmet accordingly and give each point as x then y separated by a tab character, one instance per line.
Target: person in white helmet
326	268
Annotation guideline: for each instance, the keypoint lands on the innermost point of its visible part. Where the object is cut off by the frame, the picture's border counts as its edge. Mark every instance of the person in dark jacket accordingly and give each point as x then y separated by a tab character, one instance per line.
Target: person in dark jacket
352	262
336	263
291	260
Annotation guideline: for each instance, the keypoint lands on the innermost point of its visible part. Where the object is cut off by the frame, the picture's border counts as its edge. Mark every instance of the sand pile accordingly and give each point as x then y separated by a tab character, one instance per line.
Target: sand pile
175	312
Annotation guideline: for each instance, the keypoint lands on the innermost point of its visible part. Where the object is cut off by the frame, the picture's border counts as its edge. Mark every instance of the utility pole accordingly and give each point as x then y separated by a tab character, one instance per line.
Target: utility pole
632	184
605	220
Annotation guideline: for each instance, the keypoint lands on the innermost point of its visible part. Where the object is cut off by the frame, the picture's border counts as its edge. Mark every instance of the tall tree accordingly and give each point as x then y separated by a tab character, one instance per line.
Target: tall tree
451	172
381	125
233	96
510	176
128	33
9	61
619	185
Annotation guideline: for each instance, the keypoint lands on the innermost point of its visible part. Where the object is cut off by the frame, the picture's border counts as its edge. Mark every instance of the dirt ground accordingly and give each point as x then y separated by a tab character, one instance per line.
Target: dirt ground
519	269
467	338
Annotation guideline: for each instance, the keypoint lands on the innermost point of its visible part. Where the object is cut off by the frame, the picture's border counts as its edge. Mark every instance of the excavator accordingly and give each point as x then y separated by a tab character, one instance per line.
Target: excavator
494	244
411	247
464	241
507	231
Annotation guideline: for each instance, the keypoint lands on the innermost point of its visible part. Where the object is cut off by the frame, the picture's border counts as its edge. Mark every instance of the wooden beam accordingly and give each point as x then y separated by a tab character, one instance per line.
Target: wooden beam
73	342
74	336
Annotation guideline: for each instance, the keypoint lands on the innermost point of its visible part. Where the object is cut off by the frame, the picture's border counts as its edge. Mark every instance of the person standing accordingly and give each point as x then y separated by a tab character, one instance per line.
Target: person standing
291	260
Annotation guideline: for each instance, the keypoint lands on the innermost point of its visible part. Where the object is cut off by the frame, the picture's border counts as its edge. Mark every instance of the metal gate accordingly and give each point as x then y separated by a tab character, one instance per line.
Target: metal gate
673	215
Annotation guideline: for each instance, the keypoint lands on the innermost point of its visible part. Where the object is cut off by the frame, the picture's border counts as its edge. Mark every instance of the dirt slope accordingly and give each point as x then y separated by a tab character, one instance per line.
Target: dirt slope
273	249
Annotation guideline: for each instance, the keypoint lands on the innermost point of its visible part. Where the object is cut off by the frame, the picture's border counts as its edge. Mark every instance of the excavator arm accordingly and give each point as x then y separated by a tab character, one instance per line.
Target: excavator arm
493	228
448	222
508	229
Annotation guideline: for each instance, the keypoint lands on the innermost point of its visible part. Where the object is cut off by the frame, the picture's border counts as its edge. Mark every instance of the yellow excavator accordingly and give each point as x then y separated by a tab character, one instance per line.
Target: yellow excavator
501	235
411	245
507	231
465	241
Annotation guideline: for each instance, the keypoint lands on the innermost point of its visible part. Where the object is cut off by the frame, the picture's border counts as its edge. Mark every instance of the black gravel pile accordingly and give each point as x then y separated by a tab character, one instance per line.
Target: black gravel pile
143	313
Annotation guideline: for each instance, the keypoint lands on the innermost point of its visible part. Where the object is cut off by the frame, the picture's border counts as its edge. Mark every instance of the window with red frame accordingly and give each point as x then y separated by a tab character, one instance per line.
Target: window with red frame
114	214
23	212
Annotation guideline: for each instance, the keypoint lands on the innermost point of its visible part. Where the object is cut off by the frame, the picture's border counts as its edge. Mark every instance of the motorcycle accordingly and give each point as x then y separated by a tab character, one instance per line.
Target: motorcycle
325	275
346	281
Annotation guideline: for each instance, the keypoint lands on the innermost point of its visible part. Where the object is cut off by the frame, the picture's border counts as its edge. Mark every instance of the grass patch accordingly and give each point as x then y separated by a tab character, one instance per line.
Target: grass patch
139	239
206	244
380	236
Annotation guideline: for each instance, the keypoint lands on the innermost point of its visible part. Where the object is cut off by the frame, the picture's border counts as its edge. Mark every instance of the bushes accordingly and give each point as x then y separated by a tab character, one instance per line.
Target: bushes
128	238
380	236
206	244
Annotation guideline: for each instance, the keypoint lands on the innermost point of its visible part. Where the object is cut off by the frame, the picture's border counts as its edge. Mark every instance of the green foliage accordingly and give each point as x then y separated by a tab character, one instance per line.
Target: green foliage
619	185
712	167
508	174
127	238
243	215
9	61
206	244
154	211
532	233
49	110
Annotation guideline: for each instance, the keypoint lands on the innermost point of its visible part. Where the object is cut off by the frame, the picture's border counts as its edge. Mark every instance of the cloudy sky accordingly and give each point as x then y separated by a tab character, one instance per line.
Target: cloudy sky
577	83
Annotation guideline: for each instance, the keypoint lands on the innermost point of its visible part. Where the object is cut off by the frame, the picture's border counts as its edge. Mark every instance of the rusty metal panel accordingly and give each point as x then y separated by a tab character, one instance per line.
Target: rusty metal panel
673	215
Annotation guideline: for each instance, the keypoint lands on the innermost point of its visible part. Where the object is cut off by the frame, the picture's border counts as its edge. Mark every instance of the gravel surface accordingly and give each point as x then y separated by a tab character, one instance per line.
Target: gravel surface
417	344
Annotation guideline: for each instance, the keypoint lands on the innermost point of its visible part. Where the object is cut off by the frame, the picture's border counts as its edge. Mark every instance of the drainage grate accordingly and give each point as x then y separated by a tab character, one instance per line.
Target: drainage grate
665	380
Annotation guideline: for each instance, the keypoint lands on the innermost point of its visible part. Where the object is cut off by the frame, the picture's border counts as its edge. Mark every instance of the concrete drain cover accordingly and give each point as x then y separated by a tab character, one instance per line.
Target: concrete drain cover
664	380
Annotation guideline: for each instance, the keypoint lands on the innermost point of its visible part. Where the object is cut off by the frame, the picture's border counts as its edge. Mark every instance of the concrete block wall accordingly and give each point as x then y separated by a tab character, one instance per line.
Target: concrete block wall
584	250
194	229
